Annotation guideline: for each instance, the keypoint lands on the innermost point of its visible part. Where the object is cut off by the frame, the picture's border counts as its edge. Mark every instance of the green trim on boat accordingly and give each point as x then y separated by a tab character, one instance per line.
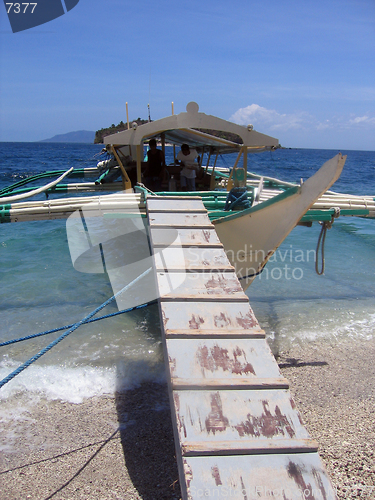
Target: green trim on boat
290	192
4	216
326	215
60	188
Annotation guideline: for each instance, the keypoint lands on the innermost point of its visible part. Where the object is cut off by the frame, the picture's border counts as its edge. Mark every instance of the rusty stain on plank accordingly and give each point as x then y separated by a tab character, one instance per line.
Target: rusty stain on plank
215	357
195	322
216	421
295	472
267	424
216	475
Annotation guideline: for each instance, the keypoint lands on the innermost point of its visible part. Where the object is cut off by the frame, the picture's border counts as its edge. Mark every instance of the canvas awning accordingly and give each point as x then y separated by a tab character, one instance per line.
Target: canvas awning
185	128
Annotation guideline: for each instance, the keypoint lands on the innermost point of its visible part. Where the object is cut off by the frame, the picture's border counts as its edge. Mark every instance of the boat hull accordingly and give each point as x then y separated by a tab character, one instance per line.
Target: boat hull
252	236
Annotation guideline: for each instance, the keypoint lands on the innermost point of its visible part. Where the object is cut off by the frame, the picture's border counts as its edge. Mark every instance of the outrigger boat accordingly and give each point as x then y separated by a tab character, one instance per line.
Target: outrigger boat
252	215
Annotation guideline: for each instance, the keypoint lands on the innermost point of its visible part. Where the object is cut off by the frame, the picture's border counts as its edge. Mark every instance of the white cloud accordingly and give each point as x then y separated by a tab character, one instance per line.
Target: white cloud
270	120
257	115
366	120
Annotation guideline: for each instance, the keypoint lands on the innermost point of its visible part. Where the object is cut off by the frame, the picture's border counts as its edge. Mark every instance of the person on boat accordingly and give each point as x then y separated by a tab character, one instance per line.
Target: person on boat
186	157
155	167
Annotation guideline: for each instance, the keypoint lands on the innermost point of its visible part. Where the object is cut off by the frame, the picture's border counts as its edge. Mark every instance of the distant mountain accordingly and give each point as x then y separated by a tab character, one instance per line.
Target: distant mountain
79	136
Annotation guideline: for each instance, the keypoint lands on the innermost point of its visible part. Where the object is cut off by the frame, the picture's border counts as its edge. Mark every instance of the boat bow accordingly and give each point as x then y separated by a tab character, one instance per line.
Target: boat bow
251	236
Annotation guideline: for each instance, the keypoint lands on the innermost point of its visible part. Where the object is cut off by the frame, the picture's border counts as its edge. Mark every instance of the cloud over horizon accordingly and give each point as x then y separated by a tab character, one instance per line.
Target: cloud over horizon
257	115
273	120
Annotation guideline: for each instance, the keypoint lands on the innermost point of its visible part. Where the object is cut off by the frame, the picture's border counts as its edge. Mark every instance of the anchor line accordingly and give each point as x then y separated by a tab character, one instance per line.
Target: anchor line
71	330
54	330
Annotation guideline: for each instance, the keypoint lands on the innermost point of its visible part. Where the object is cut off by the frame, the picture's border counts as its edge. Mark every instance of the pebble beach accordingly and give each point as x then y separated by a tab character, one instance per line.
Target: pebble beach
121	447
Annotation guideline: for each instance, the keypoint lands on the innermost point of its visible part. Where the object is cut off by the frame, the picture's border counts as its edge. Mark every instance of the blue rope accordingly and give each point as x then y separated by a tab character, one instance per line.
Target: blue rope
54	330
236	196
75	326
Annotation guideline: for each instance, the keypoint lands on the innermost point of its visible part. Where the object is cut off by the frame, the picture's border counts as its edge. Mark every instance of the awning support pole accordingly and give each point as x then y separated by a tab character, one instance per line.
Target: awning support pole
126	183
230	179
139	162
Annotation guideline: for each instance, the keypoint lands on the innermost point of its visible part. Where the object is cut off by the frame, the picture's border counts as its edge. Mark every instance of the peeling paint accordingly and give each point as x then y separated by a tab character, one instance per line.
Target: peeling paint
206	235
222	320
188	474
180	419
216	421
227	285
216	357
164	319
295	472
195	322
172	365
266	425
216	475
247	321
318	478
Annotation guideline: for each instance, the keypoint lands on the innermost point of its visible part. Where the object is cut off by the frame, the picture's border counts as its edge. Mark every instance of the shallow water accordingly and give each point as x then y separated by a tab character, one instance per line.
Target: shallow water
40	289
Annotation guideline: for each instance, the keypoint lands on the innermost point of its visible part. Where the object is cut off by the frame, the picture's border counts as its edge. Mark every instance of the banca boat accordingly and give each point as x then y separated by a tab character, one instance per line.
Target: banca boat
252	214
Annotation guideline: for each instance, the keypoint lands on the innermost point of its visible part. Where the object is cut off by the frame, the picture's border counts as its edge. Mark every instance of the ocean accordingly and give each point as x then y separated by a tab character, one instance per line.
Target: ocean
41	290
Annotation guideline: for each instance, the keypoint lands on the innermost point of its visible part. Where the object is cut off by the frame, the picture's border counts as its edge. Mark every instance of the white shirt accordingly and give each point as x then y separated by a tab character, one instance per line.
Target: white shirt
189	163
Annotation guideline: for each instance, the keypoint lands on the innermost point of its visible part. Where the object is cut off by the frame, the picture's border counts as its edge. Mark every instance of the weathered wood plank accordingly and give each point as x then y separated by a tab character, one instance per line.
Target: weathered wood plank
293	476
228	415
193	259
185	238
208	316
219	361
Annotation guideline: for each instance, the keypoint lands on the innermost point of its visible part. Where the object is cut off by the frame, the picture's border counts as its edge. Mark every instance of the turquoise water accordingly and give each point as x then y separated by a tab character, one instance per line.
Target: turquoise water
40	289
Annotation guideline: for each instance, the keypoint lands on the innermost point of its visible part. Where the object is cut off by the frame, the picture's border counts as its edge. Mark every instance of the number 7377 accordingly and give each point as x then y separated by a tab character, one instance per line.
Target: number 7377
17	7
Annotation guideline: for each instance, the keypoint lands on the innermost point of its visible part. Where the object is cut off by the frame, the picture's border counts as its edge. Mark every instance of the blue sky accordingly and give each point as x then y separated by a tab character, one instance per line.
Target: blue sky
301	71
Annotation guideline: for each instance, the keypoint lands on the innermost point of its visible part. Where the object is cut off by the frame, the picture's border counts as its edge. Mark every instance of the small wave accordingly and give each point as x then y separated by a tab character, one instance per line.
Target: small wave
75	384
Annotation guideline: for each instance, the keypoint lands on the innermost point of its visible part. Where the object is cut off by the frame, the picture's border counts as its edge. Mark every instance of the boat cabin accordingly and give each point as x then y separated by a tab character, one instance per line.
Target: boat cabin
201	132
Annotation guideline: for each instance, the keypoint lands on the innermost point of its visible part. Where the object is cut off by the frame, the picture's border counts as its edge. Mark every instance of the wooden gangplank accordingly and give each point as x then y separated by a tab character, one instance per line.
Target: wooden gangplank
237	431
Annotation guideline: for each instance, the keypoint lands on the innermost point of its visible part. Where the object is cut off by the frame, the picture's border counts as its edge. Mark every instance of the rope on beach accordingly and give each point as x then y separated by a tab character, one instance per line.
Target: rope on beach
72	329
54	330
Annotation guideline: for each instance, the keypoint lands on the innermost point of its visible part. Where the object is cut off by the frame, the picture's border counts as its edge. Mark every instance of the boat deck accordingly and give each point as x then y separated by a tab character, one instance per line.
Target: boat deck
237	431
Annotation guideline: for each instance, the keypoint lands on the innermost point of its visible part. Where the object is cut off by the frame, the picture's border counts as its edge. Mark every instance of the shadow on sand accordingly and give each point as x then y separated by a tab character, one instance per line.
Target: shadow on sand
147	441
296	363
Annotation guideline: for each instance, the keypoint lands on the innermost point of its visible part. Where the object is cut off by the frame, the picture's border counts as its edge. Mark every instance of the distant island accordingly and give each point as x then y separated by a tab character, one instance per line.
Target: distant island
83	136
113	129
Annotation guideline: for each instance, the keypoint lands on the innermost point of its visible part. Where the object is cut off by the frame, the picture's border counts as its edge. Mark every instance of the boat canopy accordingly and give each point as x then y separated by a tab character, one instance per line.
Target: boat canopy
186	128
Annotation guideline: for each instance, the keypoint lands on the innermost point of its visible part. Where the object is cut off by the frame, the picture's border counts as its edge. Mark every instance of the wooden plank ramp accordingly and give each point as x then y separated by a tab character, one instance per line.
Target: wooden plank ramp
237	431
